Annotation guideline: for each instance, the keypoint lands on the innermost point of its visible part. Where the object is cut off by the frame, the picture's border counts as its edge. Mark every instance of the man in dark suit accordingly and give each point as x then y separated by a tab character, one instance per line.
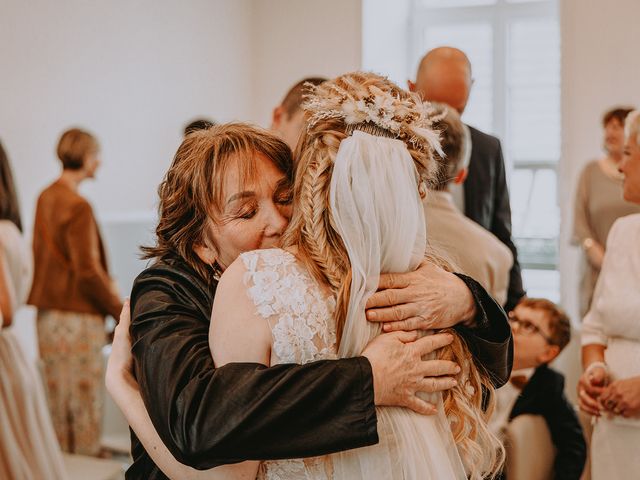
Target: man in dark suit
540	331
444	75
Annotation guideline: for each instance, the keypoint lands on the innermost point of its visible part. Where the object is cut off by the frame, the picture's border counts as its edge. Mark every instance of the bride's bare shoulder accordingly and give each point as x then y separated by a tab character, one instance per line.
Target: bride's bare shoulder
237	333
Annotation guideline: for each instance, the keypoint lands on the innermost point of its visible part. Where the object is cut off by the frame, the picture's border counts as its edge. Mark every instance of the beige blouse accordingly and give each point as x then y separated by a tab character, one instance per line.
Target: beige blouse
17	263
599	204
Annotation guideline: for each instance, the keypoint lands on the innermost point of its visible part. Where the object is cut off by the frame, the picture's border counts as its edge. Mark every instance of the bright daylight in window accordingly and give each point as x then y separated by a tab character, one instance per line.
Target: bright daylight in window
514	49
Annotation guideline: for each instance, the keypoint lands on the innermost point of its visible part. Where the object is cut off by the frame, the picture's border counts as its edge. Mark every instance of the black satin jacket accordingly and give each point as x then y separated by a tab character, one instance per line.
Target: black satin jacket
210	416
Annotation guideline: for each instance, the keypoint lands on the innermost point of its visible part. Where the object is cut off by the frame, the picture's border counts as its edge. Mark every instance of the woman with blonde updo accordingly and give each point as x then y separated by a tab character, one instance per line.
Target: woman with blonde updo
364	163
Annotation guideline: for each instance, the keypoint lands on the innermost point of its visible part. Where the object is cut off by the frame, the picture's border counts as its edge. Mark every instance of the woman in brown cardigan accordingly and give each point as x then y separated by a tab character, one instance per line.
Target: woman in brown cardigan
73	293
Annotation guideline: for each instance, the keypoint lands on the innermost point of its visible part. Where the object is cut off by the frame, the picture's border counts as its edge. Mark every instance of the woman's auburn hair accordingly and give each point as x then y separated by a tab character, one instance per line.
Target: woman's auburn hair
320	248
191	193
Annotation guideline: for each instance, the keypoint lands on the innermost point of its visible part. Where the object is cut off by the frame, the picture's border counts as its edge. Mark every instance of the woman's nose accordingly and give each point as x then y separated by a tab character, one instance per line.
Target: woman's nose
276	223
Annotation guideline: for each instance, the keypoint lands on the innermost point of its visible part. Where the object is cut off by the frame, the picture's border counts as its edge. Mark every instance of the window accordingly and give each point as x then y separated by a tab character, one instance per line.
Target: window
514	49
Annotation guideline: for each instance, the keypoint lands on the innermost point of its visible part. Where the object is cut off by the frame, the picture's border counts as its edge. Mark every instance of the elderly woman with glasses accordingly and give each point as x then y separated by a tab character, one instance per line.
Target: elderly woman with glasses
609	388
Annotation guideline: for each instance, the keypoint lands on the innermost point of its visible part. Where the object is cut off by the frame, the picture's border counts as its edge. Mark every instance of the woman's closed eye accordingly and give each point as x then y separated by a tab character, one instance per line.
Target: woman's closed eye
284	198
244	211
247	211
283	194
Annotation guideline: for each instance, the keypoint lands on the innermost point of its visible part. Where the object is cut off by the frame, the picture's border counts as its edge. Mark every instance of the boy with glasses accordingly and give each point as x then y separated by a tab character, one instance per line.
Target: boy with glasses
540	331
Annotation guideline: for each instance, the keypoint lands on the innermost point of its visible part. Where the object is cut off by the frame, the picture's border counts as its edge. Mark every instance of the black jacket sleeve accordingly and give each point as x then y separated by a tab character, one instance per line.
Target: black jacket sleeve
208	416
501	228
566	434
490	341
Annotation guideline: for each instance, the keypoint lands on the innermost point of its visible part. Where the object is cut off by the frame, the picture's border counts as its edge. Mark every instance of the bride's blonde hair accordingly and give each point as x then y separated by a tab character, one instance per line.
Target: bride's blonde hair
320	247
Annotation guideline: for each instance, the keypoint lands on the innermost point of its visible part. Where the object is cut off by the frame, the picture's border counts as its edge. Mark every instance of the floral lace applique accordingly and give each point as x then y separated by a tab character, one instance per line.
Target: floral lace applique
299	313
301	319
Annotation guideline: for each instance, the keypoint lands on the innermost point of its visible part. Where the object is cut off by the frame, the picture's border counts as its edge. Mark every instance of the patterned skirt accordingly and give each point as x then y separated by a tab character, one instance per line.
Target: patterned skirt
70	348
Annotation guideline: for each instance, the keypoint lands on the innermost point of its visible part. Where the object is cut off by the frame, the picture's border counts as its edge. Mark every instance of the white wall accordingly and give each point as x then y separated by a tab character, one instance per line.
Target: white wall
293	39
600	42
600	69
132	72
386	36
135	72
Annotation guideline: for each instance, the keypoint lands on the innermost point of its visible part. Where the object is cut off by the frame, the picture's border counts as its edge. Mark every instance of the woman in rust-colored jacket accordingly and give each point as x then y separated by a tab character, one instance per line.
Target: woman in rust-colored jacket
73	293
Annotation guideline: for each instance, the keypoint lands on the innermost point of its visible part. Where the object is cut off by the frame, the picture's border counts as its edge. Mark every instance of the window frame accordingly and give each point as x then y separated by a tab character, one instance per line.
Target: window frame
500	15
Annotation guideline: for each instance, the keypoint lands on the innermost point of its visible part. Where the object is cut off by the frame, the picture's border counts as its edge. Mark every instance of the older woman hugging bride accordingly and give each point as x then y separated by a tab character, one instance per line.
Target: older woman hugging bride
365	161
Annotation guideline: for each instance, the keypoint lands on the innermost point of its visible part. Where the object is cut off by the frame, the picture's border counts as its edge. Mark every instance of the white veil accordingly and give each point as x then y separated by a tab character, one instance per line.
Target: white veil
377	211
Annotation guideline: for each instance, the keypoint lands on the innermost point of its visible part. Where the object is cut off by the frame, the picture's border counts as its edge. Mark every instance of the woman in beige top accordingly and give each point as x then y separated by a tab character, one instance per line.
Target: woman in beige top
73	293
599	203
28	445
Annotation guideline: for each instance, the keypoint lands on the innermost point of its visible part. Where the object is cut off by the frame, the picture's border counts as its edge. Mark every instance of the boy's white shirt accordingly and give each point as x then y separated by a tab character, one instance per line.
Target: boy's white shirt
506	398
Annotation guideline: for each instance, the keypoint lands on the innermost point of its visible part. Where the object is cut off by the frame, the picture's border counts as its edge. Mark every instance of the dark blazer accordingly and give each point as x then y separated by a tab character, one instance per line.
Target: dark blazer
208	417
544	395
486	201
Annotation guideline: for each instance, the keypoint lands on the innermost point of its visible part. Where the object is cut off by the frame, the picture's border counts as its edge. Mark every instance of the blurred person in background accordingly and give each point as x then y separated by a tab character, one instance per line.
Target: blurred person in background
73	293
28	445
444	75
198	124
599	203
476	251
288	118
609	387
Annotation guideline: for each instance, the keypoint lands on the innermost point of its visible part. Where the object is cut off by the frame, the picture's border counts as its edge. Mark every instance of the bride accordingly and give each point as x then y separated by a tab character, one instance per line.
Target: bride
363	165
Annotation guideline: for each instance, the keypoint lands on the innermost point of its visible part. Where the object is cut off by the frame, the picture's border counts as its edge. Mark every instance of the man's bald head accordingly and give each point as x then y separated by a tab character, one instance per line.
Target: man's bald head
444	75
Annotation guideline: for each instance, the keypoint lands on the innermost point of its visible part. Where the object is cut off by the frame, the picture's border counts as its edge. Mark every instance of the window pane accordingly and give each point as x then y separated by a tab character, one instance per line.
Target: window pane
534	91
535	216
542	284
476	40
455	3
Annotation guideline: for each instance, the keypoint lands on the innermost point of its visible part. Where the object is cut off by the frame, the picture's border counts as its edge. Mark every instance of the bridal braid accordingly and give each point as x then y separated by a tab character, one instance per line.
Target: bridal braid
311	230
311	226
315	198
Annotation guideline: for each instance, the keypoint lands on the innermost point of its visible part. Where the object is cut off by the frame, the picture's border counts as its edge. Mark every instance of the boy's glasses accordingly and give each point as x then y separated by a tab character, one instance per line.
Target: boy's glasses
528	328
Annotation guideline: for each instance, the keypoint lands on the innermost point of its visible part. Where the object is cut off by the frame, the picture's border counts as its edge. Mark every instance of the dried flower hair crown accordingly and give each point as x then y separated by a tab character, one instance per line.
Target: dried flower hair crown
409	119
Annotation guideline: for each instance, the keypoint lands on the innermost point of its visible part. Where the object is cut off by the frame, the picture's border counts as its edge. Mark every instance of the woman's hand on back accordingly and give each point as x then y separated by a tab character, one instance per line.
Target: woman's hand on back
399	372
427	298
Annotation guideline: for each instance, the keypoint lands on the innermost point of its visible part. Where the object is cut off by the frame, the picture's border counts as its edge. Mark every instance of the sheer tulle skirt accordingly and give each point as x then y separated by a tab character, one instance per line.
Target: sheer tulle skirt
28	445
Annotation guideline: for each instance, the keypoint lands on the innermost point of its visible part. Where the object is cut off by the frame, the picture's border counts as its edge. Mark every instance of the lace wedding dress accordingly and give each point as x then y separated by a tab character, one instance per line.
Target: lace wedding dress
297	312
300	314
